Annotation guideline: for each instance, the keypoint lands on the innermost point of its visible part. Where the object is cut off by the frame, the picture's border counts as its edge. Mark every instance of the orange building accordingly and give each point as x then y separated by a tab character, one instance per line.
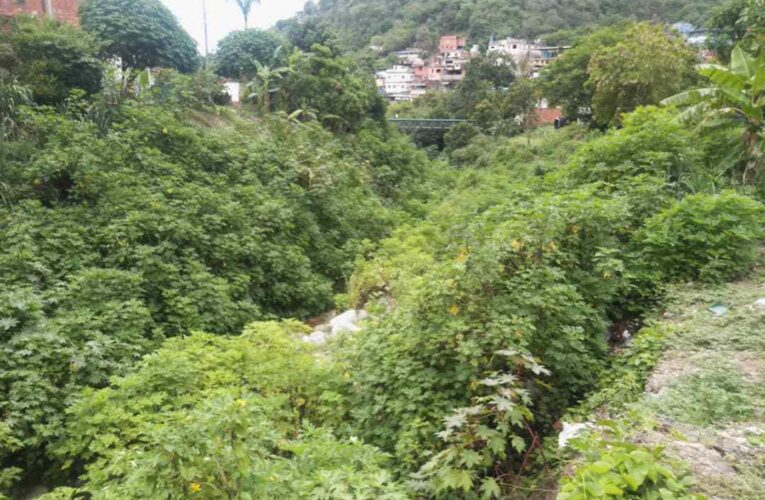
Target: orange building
61	10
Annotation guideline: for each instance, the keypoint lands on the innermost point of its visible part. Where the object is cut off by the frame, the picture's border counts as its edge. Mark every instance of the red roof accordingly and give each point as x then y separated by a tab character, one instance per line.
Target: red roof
547	116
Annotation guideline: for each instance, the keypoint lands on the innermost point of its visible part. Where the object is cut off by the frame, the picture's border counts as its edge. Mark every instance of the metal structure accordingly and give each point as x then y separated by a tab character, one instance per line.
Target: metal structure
412	124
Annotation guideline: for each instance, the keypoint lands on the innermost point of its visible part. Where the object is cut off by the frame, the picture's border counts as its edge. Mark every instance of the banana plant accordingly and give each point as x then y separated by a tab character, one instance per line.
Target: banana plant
262	86
735	97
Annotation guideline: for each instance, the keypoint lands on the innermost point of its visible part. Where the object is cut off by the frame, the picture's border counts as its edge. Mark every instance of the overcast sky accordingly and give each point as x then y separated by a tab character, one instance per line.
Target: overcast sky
223	16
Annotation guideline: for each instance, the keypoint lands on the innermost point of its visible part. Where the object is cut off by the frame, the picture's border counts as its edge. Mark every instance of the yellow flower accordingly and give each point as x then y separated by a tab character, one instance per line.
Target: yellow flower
552	246
196	487
454	310
241	403
164	131
346	375
607	274
575	229
517	245
461	257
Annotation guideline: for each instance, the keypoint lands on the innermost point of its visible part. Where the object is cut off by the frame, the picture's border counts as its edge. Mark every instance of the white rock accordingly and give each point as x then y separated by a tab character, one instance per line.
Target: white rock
571	431
760	304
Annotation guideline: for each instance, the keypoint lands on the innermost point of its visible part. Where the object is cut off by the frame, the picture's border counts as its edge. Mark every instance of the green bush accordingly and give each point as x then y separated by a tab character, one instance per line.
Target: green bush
224	417
705	237
610	467
51	59
238	51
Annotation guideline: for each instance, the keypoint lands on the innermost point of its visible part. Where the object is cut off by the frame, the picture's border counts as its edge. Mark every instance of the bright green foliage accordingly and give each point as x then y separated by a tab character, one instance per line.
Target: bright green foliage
611	468
142	33
51	59
508	266
8	444
477	437
223	417
332	88
706	237
239	50
734	99
623	382
651	144
565	82
143	225
646	66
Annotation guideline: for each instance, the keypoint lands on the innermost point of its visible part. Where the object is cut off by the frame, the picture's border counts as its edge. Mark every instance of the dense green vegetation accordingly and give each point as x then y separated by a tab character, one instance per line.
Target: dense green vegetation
159	253
398	24
141	33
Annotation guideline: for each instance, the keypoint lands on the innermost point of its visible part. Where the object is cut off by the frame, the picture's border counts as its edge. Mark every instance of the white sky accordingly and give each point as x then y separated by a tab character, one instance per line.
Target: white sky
223	16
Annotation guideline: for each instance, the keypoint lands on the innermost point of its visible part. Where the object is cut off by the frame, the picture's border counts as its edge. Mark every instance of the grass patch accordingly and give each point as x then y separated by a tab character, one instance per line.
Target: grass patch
713	396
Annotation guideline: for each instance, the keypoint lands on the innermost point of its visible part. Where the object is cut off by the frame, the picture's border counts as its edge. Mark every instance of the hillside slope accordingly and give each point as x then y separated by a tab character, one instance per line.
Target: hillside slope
395	24
703	407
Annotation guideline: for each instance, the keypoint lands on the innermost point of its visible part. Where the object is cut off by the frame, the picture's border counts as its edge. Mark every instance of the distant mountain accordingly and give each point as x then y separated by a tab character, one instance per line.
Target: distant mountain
396	24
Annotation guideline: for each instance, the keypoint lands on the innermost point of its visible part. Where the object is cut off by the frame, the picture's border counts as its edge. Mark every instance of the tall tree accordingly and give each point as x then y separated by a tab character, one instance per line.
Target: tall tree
238	51
564	82
143	33
246	6
648	65
735	98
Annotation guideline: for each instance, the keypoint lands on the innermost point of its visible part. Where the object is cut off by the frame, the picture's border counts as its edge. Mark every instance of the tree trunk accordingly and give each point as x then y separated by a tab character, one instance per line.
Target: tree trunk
48	6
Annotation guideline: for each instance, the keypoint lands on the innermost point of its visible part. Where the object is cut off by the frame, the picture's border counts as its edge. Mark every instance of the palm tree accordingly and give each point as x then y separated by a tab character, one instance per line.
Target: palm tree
246	6
735	98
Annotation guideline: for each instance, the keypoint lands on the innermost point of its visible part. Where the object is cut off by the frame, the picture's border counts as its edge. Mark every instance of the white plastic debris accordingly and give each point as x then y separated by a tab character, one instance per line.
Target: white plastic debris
348	321
571	431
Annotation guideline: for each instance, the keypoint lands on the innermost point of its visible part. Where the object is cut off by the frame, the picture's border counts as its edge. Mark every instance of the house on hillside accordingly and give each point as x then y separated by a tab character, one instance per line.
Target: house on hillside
61	10
414	74
530	57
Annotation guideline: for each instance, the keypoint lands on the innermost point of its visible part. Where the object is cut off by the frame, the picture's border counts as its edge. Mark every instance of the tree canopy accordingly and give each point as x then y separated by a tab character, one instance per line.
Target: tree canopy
50	58
239	52
645	66
142	33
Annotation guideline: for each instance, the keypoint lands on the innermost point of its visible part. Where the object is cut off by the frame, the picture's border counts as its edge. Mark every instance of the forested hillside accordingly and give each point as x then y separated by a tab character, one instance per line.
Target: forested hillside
397	24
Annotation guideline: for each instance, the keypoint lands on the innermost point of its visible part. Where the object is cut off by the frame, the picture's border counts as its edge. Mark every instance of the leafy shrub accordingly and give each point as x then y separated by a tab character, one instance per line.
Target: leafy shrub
51	59
481	435
222	417
706	237
651	143
147	225
612	468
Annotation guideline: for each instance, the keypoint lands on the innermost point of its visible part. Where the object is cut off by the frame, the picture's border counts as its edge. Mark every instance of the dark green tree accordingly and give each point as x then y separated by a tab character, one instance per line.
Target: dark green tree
239	51
143	33
50	59
725	28
333	88
565	82
646	66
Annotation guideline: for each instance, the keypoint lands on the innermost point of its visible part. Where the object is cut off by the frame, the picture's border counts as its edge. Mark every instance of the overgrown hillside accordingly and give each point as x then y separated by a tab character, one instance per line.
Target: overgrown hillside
397	24
163	255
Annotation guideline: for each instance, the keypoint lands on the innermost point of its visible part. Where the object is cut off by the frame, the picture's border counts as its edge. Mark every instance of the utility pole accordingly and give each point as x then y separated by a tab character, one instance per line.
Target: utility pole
48	5
204	15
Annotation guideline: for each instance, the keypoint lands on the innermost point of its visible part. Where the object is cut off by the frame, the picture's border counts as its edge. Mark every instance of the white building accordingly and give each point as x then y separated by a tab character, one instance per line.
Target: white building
398	82
529	56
